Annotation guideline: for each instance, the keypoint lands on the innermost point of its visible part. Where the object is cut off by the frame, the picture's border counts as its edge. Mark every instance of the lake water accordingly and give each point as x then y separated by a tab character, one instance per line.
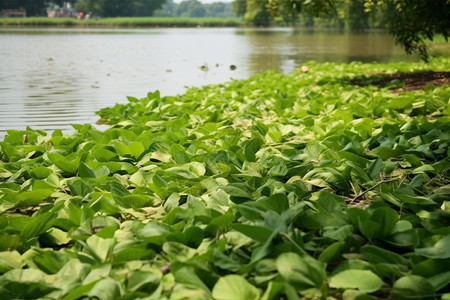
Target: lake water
53	77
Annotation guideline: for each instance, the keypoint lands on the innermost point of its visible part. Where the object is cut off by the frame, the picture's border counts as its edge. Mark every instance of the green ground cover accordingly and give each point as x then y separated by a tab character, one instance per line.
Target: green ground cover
121	22
276	187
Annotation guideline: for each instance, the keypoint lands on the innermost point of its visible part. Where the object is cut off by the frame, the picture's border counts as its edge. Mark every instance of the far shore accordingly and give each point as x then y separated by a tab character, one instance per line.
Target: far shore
122	22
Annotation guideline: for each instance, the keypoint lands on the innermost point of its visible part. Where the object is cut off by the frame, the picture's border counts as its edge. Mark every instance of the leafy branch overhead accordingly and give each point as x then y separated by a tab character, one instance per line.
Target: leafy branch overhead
298	186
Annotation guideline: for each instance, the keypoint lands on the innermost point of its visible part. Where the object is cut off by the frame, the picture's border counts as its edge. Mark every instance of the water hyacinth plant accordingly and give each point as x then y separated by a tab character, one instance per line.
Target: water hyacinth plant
297	186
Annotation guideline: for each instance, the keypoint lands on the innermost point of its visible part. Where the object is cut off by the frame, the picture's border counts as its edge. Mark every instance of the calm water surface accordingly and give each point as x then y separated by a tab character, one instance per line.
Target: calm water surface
51	78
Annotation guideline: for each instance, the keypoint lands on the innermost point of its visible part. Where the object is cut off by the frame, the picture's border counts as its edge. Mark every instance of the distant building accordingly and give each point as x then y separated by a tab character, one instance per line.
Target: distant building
65	11
14	13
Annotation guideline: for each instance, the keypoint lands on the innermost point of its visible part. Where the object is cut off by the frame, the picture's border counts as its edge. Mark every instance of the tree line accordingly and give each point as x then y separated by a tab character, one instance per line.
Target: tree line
121	8
196	9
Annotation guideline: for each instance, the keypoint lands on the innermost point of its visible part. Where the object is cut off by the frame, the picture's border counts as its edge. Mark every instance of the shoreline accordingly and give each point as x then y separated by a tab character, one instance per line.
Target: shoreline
120	22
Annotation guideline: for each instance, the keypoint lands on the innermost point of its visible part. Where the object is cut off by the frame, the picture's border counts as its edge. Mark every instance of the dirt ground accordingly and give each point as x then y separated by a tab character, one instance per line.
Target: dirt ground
416	81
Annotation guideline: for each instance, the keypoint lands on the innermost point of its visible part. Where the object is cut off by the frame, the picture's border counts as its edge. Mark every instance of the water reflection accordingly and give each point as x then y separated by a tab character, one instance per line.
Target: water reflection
285	49
51	78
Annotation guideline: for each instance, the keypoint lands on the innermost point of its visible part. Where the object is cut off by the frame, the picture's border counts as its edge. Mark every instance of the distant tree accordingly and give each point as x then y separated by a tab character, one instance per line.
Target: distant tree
146	7
350	14
117	8
167	10
288	11
96	7
190	8
32	7
219	10
240	7
196	9
256	13
356	16
261	12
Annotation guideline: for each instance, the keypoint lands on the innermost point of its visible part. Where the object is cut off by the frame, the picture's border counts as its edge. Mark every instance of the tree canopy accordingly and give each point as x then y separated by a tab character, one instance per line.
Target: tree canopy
32	7
117	8
411	22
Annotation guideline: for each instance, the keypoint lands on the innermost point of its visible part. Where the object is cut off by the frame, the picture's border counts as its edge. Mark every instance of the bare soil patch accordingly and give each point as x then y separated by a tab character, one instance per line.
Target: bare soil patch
417	81
400	82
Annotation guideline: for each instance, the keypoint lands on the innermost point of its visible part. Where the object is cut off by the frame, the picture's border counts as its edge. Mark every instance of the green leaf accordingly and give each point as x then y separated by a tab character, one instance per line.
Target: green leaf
85	171
31	198
224	262
332	252
386	153
239	190
179	251
423	169
439	281
188	276
24	284
131	253
34	226
386	217
220	223
158	184
377	254
257	233
103	154
191	236
137	200
302	272
155	232
107	289
187	292
145	281
440	250
399	102
10	260
234	287
363	280
66	164
50	261
376	167
251	211
279	169
277	202
338	232
100	248
431	267
79	187
250	148
80	291
4	173
412	287
41	172
370	229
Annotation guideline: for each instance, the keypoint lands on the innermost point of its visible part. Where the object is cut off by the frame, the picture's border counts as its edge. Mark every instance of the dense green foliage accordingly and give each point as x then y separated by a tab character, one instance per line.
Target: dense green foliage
119	8
121	22
32	7
411	22
275	187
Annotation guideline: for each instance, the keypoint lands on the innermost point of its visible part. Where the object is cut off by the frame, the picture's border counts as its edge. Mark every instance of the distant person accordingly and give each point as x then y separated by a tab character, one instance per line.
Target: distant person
80	15
88	15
